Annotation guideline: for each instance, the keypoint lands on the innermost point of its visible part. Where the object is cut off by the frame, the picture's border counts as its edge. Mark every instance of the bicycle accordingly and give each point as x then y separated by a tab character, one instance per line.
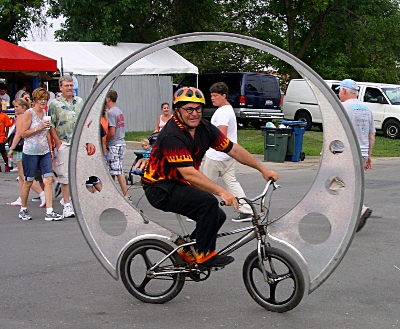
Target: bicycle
153	272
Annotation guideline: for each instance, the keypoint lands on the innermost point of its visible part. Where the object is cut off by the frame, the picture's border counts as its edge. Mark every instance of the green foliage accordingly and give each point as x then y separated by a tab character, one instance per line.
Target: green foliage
363	47
142	21
17	18
338	39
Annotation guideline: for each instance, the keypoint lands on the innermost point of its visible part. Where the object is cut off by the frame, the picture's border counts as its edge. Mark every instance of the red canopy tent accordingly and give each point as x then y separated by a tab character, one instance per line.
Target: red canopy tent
18	64
16	58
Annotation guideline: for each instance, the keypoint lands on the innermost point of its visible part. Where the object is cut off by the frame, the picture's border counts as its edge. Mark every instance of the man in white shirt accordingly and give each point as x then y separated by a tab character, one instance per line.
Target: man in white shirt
219	164
363	123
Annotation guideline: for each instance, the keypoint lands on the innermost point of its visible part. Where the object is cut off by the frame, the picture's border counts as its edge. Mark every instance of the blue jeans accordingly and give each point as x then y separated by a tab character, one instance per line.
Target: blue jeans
31	162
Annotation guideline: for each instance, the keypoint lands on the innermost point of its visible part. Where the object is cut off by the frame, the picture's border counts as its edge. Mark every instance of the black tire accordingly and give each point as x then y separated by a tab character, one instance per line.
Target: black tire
281	296
135	262
304	116
391	129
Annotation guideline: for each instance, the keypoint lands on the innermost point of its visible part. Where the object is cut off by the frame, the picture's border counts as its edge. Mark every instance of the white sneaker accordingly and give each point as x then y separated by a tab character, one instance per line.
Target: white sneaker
68	211
189	219
53	216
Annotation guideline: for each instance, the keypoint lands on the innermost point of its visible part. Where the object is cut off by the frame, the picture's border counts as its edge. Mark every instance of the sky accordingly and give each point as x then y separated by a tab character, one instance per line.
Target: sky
38	35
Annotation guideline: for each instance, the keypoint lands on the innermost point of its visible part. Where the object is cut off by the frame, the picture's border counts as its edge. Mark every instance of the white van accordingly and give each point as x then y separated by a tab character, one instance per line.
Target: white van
300	104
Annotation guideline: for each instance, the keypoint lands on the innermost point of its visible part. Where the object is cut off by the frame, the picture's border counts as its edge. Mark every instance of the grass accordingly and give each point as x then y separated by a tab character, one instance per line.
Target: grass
253	141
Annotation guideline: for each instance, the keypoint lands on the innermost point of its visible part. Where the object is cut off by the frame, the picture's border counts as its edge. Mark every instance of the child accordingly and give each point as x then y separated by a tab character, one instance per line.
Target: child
141	163
5	124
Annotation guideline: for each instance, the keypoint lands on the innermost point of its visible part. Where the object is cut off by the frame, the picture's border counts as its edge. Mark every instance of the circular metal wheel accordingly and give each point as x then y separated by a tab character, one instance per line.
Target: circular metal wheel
391	129
134	267
287	288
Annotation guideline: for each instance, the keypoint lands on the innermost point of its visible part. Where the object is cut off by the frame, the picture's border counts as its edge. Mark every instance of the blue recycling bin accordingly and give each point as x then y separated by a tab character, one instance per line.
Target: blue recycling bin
295	142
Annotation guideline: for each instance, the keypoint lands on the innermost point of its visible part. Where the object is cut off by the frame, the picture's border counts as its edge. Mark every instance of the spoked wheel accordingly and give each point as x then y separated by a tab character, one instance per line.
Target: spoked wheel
145	286
286	287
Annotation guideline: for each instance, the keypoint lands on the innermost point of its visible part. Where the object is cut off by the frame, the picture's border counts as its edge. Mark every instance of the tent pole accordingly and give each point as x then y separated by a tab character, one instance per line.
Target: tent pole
62	67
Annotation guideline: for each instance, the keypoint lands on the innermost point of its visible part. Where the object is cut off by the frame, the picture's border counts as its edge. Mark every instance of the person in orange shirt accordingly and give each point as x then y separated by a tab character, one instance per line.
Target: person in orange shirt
5	124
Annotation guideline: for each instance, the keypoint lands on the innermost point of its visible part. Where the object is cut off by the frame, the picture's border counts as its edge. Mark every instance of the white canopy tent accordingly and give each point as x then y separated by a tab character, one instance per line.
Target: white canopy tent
94	58
141	89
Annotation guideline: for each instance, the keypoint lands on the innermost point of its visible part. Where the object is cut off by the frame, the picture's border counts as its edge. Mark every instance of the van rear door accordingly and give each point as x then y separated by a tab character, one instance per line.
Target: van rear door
253	91
271	96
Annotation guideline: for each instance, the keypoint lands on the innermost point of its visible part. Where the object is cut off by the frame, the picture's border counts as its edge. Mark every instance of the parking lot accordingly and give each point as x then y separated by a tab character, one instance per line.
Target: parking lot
51	279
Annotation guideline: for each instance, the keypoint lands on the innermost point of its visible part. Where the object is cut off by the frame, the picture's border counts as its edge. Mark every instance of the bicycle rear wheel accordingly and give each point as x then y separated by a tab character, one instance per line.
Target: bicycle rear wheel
287	288
134	266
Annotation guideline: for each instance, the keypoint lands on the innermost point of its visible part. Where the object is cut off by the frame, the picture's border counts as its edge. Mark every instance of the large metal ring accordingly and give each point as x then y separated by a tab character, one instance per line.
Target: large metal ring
339	208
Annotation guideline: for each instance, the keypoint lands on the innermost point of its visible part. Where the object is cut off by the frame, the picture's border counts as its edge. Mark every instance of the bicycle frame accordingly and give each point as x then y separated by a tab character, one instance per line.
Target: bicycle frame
254	232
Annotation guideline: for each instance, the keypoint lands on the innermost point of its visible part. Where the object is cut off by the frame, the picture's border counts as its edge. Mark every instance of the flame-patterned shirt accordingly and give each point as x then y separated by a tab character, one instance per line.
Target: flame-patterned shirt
176	148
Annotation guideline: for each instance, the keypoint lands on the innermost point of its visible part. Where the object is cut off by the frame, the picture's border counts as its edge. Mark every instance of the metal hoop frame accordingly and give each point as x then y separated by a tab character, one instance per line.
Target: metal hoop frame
342	210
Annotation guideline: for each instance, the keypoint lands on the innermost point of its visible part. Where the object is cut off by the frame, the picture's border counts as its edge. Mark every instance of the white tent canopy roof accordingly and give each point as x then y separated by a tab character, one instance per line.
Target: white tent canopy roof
94	58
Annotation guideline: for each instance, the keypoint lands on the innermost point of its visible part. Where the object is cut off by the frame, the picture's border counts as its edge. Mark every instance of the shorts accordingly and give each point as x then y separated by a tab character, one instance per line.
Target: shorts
92	181
30	164
62	164
115	156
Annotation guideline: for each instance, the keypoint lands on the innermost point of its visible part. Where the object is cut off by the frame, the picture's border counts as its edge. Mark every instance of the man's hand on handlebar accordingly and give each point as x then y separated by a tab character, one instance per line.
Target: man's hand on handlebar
268	174
229	200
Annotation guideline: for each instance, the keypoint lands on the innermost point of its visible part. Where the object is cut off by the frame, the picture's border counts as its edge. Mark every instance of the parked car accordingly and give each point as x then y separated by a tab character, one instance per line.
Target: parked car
300	104
255	97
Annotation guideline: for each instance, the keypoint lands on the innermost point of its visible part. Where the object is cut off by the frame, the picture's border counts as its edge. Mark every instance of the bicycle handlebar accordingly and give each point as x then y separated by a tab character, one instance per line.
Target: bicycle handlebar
269	182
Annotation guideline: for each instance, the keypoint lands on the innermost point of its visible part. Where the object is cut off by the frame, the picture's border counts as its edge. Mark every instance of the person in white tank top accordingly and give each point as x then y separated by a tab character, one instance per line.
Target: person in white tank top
36	153
163	118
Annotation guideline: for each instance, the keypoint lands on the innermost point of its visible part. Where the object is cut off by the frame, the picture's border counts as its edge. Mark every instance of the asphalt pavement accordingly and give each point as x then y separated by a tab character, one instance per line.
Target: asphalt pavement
49	277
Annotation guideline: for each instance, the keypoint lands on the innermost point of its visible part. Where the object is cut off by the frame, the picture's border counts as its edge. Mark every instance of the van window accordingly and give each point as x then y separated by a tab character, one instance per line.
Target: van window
254	83
373	95
270	85
231	80
333	87
205	82
393	94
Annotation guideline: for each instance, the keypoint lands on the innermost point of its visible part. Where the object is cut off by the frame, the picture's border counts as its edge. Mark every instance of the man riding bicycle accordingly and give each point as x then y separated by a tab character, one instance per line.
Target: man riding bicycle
173	183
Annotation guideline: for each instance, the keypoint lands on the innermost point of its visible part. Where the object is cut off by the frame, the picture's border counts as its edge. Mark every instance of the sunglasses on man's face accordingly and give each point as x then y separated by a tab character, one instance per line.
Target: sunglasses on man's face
190	110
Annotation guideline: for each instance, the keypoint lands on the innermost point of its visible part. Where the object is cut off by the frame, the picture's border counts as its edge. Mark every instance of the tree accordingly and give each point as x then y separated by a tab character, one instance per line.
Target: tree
142	21
337	39
365	47
17	18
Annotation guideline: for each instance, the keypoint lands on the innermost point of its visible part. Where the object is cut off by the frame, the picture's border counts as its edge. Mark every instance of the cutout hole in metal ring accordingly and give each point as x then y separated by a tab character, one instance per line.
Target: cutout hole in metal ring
335	185
315	228
113	221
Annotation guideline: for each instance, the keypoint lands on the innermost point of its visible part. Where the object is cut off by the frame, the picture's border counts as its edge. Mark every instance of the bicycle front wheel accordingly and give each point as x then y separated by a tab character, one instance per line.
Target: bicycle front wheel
286	287
136	262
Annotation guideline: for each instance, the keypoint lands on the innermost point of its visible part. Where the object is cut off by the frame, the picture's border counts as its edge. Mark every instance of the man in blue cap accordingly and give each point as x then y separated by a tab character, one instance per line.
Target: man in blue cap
363	122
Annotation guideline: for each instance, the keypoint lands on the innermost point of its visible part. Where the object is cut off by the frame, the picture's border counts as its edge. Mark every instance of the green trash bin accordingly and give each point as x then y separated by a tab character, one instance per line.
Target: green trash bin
275	143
